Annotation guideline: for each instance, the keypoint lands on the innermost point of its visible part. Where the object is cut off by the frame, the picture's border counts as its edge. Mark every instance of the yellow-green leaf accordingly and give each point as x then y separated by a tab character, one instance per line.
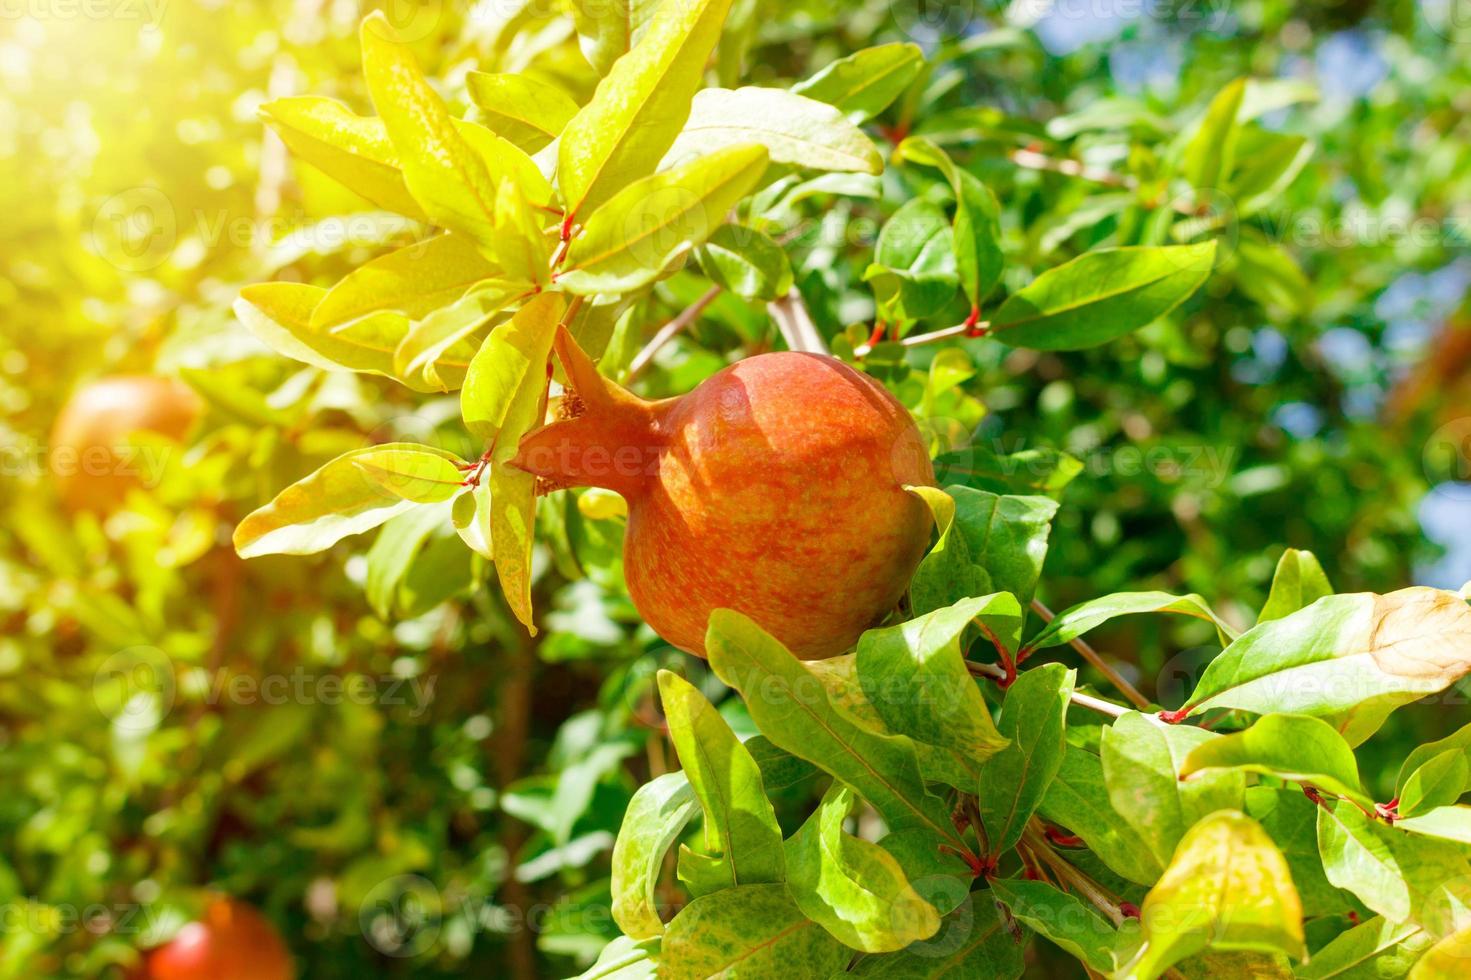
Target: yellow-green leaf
503	390
353	150
610	28
442	172
437	349
522	248
280	315
795	130
1227	888
414	474
741	832
851	887
414	281
512	522
521	110
635	238
338	500
640	107
1449	959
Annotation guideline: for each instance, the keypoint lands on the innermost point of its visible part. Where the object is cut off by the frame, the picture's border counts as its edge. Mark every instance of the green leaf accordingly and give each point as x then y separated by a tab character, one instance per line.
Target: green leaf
524	111
797	716
1349	659
1063	919
656	816
1291	820
1077	799
1373	949
279	314
839	678
471	517
414	281
1267	163
795	131
444	338
504	388
512	528
1211	152
1029	471
1447	959
625	959
1292	747
1142	758
336	501
1101	296
1399	875
977	225
1299	582
1439	782
610	28
915	676
1014	780
747	263
1459	741
914	271
1226	888
971	943
640	106
751	931
996	544
393	552
1267	273
1446	823
442	171
740	826
866	83
424	476
852	888
1084	617
353	150
656	222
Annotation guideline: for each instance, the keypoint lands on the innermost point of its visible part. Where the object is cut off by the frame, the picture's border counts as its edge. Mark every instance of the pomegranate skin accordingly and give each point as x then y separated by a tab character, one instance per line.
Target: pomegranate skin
775	488
89	441
232	941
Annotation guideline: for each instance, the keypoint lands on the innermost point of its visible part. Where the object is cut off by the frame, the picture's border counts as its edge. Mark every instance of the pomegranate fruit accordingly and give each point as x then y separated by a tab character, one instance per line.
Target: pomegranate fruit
91	458
775	488
232	941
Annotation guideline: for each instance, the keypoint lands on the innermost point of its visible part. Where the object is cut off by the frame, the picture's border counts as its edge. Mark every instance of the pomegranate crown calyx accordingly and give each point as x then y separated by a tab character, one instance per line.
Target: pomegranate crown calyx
604	435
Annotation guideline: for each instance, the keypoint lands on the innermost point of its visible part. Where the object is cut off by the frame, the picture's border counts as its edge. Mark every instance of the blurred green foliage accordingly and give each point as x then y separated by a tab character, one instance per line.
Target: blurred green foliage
414	829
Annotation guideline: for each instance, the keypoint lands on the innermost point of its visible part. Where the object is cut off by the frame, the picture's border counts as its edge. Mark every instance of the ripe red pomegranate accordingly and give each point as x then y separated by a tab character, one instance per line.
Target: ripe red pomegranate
90	454
232	941
775	488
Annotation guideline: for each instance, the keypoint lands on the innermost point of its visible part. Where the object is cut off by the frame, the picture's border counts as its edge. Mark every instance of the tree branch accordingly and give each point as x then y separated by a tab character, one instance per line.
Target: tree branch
1092	656
671	330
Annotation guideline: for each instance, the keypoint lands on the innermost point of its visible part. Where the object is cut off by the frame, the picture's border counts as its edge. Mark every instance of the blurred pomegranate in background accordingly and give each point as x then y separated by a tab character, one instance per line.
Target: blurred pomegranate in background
91	457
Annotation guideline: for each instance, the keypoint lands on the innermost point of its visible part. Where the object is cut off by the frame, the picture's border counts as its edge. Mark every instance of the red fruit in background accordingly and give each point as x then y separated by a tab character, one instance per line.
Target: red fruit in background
775	488
90	448
232	941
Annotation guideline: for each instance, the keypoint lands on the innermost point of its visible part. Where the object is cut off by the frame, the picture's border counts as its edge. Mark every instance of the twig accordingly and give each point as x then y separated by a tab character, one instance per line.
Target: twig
1092	656
1032	160
999	675
966	329
796	325
1075	877
671	330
